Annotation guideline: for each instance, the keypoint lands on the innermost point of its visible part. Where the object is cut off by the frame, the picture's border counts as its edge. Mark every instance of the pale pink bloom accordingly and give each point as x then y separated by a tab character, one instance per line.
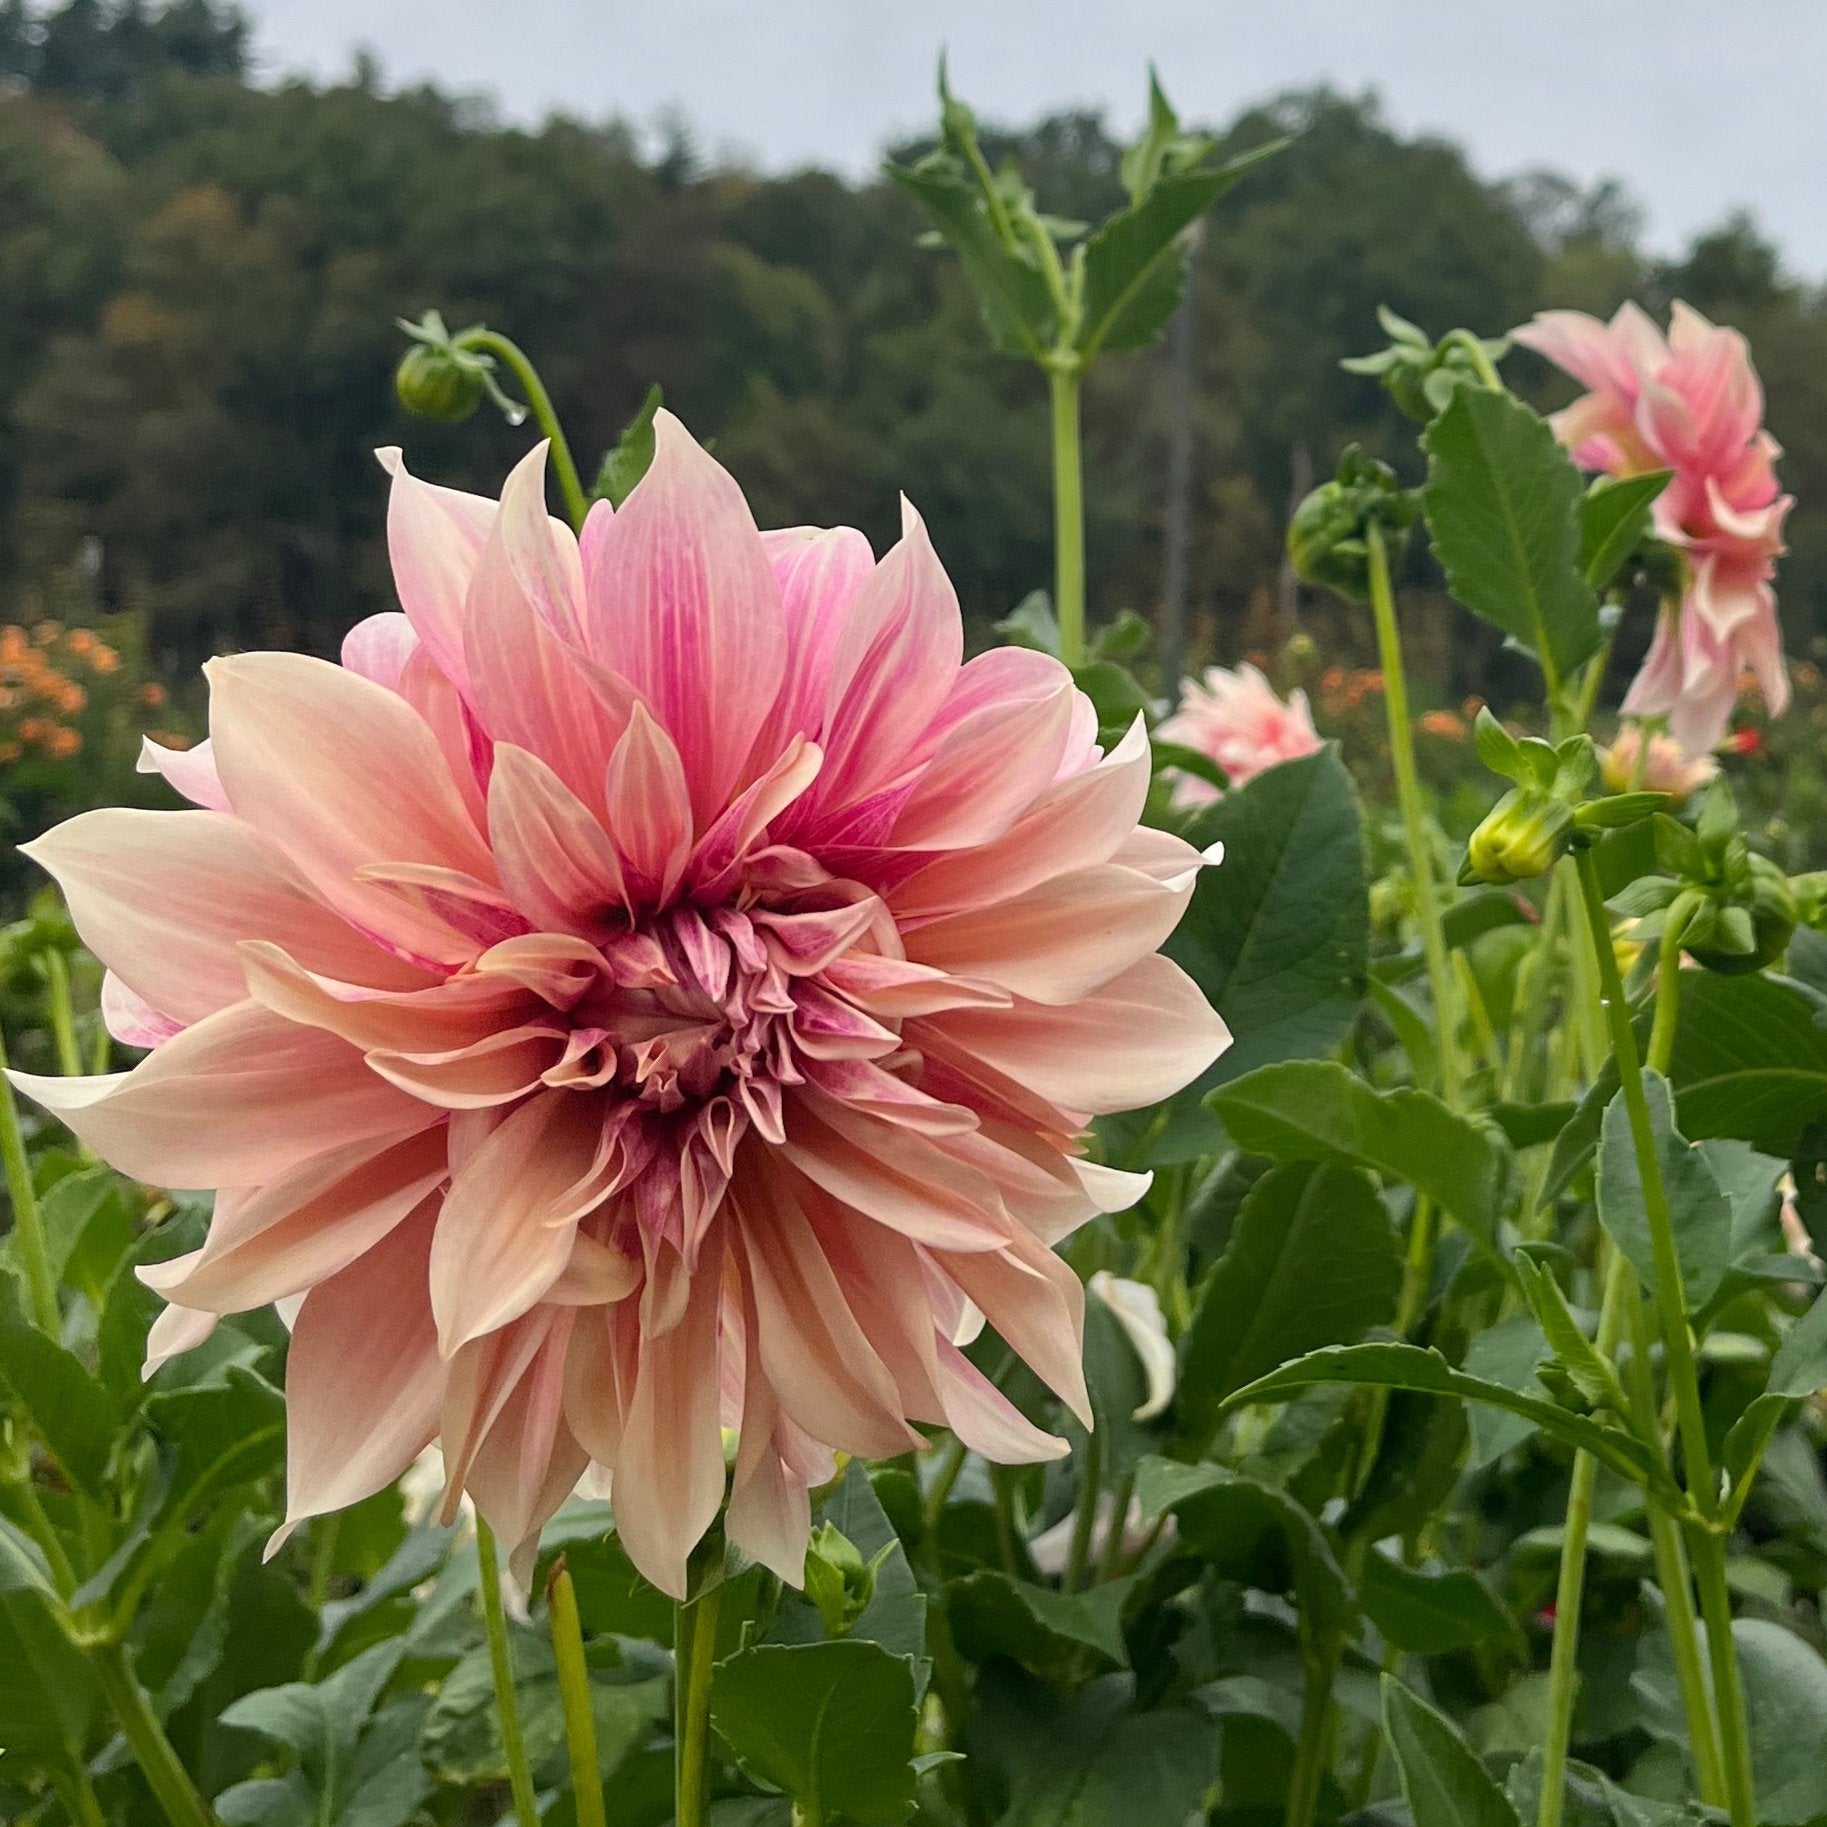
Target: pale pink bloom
1136	1307
654	984
1237	720
1627	766
1690	403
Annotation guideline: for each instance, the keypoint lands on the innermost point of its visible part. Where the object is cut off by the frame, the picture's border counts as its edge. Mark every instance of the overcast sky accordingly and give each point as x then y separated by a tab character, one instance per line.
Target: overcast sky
1701	106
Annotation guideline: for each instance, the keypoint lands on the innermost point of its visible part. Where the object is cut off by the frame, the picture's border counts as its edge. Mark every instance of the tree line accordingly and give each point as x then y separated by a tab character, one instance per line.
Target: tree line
199	277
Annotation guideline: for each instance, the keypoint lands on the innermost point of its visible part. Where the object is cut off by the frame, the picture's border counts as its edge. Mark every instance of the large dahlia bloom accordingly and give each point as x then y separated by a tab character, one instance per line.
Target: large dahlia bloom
1689	402
1236	719
654	985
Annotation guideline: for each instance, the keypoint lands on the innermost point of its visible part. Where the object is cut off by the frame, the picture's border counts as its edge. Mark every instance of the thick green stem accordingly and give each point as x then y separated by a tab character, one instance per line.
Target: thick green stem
1677	1338
574	1698
694	1658
1570	1592
1677	1586
28	1221
63	1013
167	1778
1414	815
1728	1693
1313	1749
539	402
1068	514
501	1666
77	1794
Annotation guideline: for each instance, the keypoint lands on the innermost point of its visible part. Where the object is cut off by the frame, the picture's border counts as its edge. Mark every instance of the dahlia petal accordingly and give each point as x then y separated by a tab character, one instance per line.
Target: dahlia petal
819	571
1134	1040
435	538
984	1418
554	857
526	683
895	989
505	1234
190	772
380	648
238	1098
304	1227
175	1331
130	1018
895	659
683	604
1057	943
900	1180
315	799
651	805
363	1377
163	898
494	1070
807	1343
669	1476
1037	1305
770	1509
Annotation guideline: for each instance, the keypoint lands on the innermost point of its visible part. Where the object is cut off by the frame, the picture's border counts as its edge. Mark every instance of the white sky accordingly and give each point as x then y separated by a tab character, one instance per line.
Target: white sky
1700	106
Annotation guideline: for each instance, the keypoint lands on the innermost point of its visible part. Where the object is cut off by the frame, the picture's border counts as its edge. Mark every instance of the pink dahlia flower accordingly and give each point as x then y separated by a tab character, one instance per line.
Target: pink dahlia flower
653	985
1690	403
1236	719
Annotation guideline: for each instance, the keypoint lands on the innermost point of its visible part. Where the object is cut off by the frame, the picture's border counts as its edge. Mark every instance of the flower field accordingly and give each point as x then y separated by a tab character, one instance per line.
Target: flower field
677	1191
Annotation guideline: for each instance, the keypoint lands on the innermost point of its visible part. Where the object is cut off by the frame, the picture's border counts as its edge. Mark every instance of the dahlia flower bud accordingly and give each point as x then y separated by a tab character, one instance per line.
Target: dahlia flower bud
653	985
1525	834
839	1582
1327	539
440	384
1761	906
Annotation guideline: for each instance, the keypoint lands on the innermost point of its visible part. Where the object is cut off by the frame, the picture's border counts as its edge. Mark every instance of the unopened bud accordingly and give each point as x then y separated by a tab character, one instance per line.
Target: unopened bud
443	384
839	1582
1525	834
1328	538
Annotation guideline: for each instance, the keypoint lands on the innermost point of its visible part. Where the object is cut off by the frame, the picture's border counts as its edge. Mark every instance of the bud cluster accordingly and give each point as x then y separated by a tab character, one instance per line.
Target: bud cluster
1328	538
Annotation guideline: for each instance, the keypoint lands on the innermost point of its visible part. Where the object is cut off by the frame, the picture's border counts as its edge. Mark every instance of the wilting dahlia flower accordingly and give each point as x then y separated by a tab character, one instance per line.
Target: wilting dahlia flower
1236	719
1690	403
653	985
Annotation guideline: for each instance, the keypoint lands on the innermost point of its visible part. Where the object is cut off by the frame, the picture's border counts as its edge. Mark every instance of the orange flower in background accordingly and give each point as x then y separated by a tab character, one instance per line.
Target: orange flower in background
1448	725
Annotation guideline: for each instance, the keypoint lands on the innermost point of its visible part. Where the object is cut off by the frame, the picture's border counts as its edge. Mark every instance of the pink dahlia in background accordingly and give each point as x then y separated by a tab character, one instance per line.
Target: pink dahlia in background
1237	720
1690	403
1656	764
653	985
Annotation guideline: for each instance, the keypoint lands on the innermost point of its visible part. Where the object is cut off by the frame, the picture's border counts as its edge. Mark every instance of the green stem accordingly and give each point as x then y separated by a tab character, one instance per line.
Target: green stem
1668	981
574	1697
1677	1338
577	503
1084	1517
41	1529
1064	382
1414	814
77	1794
167	1778
694	1658
945	1480
1722	1653
501	1666
1312	1749
1570	1592
1482	365
28	1221
1676	1584
63	1013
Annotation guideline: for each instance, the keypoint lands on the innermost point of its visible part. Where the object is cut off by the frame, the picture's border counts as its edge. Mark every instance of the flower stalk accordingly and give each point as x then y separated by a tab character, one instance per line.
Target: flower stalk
28	1219
1064	381
574	1696
694	1660
539	403
152	1750
501	1666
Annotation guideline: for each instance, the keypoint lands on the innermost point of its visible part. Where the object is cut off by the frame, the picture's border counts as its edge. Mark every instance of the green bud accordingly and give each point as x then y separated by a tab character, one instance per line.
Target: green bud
1328	537
1421	376
839	1582
1762	893
443	384
1525	834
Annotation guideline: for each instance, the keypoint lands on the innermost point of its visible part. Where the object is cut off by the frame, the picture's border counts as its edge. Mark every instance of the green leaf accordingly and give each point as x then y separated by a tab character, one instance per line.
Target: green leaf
1502	502
70	1410
1590	1373
831	1724
1093	1758
1044	1630
1277	936
49	1697
1135	264
1431	1614
320	1724
1253	1533
1426	1371
1016	301
1319	1110
1313	1260
1699	1213
1444	1782
1614	518
1798	1371
632	457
